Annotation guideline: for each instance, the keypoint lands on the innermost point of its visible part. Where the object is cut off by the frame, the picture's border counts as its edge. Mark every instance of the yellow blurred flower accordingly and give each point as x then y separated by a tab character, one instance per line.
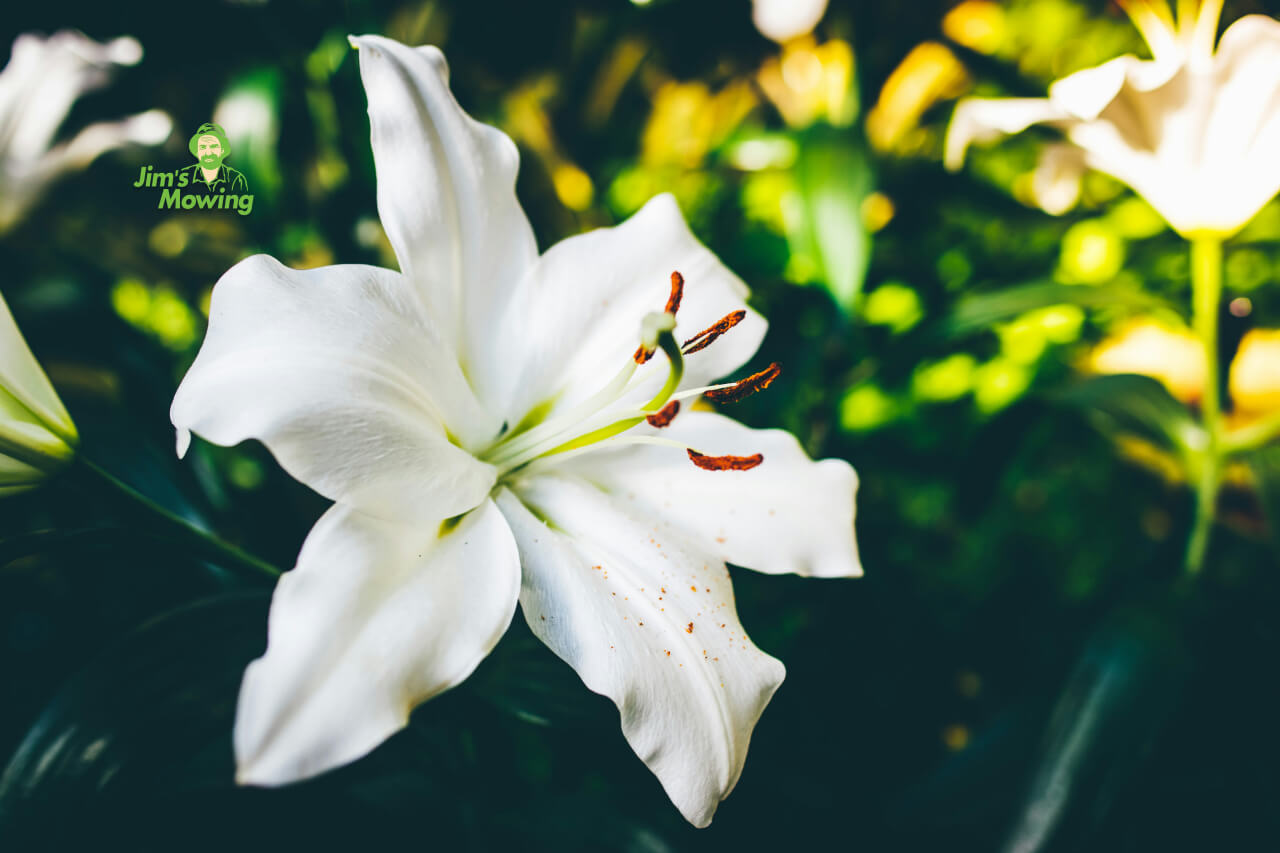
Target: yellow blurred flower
1254	380
1149	347
689	120
528	120
979	25
809	82
928	74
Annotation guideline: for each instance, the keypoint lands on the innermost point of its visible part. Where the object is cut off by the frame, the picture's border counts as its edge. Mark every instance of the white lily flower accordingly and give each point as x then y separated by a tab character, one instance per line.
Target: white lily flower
37	436
1192	130
38	88
783	20
490	432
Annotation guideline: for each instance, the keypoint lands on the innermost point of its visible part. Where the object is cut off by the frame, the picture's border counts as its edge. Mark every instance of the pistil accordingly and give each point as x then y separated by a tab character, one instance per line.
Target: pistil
597	422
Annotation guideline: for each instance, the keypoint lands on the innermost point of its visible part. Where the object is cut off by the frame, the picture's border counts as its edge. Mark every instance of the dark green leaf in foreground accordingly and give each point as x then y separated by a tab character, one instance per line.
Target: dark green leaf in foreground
1265	464
1128	403
1109	713
150	716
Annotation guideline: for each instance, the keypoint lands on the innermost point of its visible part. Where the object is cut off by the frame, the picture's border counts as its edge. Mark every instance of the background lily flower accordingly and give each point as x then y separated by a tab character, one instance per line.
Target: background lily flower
493	426
782	20
38	87
1192	130
37	436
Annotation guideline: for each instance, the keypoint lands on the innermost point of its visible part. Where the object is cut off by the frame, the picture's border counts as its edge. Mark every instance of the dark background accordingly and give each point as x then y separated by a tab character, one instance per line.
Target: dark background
1022	656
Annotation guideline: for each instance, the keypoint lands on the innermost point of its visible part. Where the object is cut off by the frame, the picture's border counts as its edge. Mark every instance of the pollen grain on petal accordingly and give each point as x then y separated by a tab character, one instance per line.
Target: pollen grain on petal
724	463
708	336
745	388
665	416
677	292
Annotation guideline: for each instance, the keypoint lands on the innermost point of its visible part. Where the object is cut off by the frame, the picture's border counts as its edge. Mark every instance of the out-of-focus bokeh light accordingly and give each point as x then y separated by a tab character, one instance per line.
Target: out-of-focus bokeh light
1093	252
942	381
867	407
877	211
895	305
999	383
1134	219
158	311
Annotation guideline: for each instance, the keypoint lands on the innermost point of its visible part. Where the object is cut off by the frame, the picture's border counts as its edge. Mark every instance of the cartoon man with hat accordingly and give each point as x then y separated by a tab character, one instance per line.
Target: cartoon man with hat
210	147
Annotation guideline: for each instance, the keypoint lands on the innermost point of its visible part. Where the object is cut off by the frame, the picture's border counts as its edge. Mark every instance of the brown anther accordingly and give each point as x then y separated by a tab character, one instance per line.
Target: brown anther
642	355
741	390
665	416
677	291
724	463
707	336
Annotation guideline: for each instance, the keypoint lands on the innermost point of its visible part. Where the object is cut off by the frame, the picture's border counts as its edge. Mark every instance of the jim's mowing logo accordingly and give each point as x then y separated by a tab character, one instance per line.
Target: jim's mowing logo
207	183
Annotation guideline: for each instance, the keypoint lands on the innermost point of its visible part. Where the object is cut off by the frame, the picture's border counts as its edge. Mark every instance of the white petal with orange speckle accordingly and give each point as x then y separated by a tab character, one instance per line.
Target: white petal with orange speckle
649	621
790	514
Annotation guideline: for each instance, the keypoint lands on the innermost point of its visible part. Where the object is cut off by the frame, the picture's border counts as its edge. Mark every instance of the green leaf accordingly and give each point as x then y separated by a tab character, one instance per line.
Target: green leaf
833	177
1109	712
151	716
525	679
1265	464
1127	403
976	312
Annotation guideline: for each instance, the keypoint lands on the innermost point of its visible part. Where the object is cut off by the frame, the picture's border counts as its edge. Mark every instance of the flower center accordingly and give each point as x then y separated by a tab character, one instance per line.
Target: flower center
605	419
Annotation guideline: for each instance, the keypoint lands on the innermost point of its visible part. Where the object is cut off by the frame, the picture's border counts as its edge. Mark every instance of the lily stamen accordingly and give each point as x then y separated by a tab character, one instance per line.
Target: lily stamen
746	387
724	463
645	352
708	336
664	416
677	293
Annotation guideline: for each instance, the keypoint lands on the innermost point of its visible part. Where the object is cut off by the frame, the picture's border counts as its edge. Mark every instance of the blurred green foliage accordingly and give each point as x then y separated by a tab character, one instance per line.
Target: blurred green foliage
1021	644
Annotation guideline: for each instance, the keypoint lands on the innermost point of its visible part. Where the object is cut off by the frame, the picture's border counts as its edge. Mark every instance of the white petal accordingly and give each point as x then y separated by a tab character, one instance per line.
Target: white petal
651	624
337	372
987	119
446	195
782	20
575	320
1087	94
1241	132
788	514
376	619
45	77
1056	183
24	380
28	180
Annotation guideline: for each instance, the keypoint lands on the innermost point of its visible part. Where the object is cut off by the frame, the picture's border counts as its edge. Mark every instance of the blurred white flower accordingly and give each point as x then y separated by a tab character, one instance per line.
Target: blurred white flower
491	432
1193	131
783	20
38	88
37	436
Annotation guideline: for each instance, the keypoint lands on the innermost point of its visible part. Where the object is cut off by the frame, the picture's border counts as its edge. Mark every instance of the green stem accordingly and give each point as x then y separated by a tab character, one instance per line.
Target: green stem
1206	296
204	543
